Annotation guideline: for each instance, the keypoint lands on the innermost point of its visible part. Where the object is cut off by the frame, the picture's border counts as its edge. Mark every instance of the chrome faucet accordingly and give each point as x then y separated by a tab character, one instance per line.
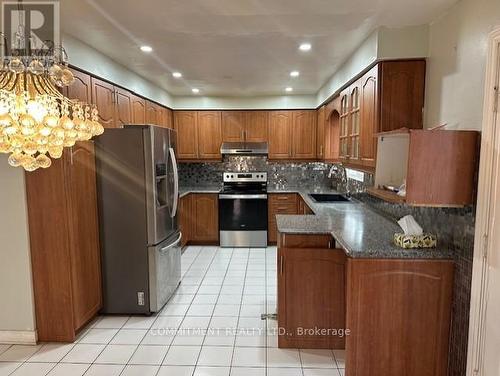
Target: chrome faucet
342	181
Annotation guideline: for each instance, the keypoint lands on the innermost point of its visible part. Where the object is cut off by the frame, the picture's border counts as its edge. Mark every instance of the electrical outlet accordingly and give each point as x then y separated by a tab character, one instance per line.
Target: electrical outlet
140	298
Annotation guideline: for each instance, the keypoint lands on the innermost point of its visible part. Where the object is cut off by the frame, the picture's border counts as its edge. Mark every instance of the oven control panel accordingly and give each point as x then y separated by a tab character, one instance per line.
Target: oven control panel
254	177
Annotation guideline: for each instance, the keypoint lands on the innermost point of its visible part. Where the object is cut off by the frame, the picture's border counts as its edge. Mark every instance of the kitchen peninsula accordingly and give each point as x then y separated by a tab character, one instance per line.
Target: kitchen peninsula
339	269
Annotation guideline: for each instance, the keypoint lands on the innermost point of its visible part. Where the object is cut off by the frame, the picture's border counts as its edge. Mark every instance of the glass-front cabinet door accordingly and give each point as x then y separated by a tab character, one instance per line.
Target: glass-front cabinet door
355	123
344	126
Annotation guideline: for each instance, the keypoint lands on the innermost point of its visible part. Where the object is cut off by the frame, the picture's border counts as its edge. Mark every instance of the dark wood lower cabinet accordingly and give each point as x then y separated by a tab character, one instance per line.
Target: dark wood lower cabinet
65	253
311	293
398	312
303	208
199	218
395	313
186	218
279	203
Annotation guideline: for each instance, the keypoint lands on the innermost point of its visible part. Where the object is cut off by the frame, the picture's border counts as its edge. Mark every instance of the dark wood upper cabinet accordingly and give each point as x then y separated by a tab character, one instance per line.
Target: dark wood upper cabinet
438	166
442	167
209	134
320	133
117	106
233	126
158	115
280	134
328	131
402	91
123	107
292	134
167	118
369	117
344	119
152	113
103	96
304	134
249	126
256	126
163	116
186	125
81	89
138	110
387	97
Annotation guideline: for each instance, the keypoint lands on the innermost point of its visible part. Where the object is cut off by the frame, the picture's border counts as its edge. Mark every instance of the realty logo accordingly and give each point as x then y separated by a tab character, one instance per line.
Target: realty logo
29	27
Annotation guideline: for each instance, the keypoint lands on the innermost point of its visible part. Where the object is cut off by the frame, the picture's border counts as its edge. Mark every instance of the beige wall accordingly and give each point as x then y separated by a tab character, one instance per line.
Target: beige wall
383	44
364	55
16	307
456	64
248	103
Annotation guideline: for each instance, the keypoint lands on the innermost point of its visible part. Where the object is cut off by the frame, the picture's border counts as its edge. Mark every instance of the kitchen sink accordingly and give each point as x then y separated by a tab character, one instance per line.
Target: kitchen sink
329	197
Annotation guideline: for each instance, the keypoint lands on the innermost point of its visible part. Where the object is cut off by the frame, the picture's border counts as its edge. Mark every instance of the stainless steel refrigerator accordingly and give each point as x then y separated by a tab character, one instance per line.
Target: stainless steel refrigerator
138	196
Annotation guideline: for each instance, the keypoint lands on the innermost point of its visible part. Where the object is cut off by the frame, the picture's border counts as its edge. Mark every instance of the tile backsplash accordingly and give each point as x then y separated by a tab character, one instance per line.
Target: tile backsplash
280	175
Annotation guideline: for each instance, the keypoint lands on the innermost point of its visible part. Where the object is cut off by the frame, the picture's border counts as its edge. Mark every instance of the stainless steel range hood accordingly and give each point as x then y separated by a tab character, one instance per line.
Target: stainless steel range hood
244	148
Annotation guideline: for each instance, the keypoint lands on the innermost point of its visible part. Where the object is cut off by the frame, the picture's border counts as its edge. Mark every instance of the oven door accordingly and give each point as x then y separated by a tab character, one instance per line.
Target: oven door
243	220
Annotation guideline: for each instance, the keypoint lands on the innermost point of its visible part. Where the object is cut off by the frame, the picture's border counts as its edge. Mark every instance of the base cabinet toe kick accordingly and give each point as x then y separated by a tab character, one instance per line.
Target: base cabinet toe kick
392	316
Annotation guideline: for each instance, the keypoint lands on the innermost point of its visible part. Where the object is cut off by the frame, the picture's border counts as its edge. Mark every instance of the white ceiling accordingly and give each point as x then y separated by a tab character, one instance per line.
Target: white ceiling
237	47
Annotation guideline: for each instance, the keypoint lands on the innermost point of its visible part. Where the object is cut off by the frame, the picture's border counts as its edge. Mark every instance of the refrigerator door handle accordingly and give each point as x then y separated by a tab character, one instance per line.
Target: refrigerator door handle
176	182
174	244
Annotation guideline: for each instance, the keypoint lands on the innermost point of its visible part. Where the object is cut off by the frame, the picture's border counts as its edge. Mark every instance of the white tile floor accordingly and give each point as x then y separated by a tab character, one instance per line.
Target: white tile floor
211	327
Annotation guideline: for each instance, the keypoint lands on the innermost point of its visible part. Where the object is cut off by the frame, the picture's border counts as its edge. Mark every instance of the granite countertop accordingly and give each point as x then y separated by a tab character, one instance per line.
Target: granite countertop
358	229
183	191
291	189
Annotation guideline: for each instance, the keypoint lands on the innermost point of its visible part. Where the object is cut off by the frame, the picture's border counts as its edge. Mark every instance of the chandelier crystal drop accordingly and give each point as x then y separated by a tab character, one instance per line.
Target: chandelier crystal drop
36	120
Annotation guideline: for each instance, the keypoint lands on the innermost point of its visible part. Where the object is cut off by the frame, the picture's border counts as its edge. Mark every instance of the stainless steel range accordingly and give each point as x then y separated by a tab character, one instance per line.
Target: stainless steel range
243	209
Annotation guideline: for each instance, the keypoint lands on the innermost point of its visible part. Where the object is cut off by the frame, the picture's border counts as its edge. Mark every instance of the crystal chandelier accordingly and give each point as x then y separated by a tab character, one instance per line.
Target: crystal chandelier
36	120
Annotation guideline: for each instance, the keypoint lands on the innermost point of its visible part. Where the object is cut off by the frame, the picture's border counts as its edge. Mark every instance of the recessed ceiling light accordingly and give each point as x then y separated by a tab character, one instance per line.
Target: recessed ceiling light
305	47
146	48
289	89
177	74
195	90
294	73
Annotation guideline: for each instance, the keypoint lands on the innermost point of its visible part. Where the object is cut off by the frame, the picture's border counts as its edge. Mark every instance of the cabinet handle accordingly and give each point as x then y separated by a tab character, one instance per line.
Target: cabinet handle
71	155
281	265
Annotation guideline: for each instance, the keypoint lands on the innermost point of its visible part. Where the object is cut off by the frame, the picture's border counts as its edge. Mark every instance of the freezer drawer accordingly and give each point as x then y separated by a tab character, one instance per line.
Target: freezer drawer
164	271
